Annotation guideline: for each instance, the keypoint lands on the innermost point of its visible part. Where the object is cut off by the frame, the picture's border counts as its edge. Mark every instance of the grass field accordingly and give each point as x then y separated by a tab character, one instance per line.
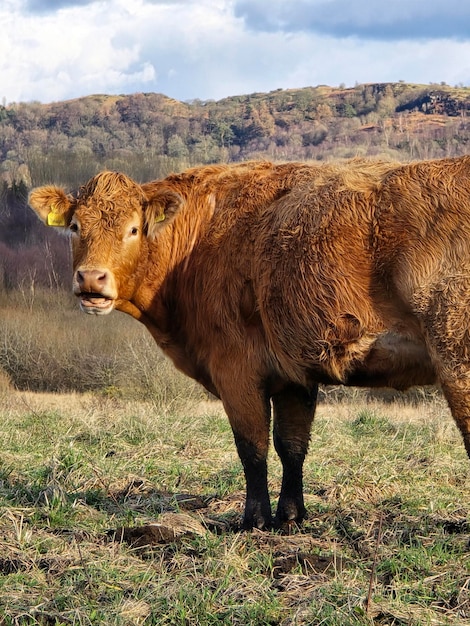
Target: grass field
118	511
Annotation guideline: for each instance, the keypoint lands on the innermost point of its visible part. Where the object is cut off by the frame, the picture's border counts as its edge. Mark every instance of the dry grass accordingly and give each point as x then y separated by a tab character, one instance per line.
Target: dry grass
47	344
113	512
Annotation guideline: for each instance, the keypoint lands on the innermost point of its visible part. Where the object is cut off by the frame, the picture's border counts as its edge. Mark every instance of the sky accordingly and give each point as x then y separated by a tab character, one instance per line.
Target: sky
55	50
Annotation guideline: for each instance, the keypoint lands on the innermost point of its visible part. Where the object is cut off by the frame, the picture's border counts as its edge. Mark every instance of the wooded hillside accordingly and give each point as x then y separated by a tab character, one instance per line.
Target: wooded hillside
149	135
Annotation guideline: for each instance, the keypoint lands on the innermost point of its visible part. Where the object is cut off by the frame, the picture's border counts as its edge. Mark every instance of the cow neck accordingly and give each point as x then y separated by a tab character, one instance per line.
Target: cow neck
166	258
170	253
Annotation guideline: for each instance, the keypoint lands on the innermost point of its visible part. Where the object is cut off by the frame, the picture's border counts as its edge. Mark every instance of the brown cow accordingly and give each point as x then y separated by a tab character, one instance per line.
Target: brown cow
261	281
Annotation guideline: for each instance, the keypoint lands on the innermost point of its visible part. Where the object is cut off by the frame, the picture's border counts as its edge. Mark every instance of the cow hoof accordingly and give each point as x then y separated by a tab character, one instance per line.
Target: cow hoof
257	522
289	515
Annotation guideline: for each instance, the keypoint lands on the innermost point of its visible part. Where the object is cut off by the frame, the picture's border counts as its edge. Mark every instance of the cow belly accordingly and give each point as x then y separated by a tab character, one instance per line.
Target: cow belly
394	361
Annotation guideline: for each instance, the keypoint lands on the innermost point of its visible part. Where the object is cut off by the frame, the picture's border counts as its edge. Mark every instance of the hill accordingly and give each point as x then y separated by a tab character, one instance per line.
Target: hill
148	134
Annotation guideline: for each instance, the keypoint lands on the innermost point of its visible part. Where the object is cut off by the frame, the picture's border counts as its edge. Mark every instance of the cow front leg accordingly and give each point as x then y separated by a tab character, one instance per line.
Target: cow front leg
257	505
294	410
249	415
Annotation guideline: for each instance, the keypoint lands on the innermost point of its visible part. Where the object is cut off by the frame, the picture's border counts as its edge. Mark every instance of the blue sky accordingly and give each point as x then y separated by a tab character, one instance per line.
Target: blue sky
53	50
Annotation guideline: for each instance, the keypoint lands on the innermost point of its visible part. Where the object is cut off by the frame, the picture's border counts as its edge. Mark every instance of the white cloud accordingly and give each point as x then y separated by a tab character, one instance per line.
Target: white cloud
68	53
209	49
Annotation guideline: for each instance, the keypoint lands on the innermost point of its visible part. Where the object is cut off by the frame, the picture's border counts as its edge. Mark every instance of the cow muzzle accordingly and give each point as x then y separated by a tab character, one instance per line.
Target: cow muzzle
95	290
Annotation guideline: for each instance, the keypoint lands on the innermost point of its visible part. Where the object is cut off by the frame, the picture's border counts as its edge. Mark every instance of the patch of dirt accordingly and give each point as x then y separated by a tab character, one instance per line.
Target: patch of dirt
169	528
305	563
51	565
10	565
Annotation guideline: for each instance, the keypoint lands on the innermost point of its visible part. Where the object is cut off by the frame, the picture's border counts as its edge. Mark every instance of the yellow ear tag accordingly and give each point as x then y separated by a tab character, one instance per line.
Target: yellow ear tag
160	218
54	218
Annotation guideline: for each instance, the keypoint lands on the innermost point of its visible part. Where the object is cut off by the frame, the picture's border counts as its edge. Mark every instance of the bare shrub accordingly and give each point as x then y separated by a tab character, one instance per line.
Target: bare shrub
154	377
40	354
40	265
5	381
47	344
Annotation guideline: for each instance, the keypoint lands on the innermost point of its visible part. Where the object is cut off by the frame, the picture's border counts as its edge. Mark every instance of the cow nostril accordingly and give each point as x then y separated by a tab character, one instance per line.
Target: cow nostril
92	280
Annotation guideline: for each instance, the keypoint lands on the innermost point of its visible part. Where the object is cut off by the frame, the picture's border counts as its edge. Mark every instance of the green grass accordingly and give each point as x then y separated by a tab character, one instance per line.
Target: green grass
386	540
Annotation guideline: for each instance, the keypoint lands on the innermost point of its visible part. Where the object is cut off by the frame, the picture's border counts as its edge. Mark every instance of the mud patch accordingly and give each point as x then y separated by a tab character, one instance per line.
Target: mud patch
169	528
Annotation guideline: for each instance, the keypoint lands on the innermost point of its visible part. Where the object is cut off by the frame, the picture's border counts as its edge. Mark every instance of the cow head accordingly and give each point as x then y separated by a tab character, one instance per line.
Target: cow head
111	222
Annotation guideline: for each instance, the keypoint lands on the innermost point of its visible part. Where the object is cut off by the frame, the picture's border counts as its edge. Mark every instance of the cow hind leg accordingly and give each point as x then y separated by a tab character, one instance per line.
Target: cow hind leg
294	410
458	399
447	321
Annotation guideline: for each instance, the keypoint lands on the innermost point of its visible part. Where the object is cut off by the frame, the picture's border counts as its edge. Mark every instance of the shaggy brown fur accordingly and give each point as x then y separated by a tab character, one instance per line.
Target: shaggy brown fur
261	281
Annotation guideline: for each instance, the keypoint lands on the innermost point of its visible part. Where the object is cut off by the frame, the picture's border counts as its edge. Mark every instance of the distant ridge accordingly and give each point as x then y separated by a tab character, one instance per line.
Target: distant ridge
148	134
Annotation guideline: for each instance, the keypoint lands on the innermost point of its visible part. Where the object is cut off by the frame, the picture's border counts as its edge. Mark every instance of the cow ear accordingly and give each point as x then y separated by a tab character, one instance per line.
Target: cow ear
52	205
160	209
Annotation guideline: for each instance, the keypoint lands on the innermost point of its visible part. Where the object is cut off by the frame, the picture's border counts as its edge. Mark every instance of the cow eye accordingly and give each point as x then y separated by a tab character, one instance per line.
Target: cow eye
134	230
74	227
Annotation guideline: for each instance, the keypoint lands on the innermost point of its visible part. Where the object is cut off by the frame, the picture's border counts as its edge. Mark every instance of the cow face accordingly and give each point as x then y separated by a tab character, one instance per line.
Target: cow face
110	223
